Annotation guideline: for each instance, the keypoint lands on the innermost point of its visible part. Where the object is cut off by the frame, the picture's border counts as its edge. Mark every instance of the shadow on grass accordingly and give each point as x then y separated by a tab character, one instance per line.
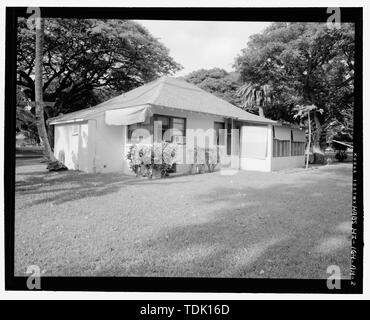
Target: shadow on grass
74	185
276	232
279	226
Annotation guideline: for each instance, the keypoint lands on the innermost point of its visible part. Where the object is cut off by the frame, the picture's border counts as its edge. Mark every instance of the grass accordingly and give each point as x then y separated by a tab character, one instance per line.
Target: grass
289	224
29	151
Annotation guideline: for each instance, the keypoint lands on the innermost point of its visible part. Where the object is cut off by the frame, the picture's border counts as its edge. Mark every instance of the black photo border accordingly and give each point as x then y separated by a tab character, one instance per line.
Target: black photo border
178	284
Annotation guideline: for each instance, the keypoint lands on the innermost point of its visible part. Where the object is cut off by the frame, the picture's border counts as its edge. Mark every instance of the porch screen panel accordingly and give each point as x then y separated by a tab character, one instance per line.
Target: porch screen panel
254	141
282	141
298	143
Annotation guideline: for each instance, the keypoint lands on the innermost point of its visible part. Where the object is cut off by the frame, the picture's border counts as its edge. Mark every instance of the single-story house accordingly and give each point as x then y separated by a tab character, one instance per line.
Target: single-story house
97	139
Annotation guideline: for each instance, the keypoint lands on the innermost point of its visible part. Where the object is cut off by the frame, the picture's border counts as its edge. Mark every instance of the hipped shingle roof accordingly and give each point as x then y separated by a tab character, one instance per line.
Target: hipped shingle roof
169	93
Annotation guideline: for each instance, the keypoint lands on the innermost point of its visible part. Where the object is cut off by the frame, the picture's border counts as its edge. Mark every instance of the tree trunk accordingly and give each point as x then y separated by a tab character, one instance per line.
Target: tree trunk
318	152
260	111
39	112
309	140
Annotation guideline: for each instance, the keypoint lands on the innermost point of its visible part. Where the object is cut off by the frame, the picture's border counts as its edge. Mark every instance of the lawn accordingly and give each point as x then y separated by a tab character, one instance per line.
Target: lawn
288	224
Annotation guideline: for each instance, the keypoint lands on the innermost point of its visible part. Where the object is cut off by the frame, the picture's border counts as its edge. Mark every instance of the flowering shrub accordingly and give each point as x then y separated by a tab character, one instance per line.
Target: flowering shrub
134	159
169	153
163	157
143	159
205	157
211	158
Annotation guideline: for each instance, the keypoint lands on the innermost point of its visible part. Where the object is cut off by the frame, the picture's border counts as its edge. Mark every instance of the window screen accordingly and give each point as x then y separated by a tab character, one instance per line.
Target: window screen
281	148
298	148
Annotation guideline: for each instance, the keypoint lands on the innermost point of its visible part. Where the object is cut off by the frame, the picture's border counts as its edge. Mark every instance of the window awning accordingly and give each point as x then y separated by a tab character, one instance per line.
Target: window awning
126	116
299	135
281	133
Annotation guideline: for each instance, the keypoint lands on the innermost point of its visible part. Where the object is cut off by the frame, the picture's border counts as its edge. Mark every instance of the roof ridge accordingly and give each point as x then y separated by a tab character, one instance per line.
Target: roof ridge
159	89
195	87
179	94
211	94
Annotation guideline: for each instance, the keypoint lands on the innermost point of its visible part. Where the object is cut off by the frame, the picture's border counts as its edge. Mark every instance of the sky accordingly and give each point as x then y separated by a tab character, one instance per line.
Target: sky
203	44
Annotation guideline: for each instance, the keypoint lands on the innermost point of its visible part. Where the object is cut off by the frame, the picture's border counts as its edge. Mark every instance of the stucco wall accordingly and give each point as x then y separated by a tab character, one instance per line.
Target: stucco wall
70	145
109	146
279	163
247	163
83	152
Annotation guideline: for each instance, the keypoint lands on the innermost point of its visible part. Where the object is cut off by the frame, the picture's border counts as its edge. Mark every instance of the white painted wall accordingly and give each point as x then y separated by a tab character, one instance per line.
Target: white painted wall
73	146
91	146
279	163
108	155
251	163
83	152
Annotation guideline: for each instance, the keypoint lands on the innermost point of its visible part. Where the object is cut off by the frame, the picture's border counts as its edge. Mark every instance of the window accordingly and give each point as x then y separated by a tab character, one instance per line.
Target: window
228	138
167	123
139	136
219	135
180	133
179	124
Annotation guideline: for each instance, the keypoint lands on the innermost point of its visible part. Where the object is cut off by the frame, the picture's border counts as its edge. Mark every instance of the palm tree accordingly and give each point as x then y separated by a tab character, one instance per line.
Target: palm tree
39	110
256	95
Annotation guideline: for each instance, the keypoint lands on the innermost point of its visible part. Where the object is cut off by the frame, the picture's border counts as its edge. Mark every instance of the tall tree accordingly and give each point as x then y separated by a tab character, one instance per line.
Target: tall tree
218	82
305	63
25	120
40	121
86	61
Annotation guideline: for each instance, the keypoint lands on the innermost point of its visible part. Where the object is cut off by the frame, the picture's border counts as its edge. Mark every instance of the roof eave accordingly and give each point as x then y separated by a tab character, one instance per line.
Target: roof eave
54	122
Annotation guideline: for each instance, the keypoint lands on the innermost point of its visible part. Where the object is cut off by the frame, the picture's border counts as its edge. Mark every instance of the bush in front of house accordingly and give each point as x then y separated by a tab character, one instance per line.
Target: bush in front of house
134	158
211	158
168	157
146	160
158	159
205	158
